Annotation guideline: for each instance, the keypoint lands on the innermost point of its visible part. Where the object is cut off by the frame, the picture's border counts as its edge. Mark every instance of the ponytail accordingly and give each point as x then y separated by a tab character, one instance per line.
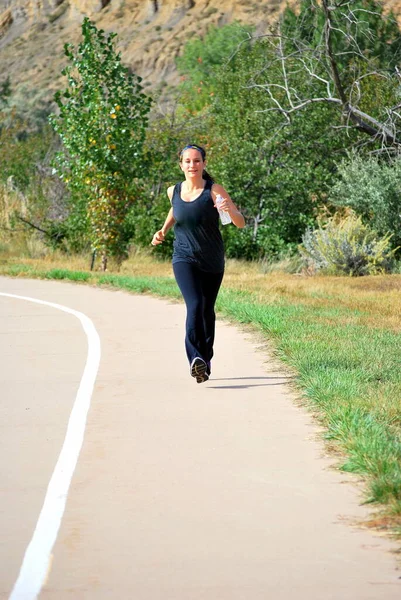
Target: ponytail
207	177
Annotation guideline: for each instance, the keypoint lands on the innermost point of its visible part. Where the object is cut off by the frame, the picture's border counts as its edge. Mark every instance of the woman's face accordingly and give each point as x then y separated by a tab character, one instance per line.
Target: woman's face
192	163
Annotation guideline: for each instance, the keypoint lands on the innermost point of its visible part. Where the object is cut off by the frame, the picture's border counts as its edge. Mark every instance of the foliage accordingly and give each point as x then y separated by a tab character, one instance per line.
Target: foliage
345	246
278	165
372	188
22	149
278	176
35	199
102	123
5	91
343	54
360	27
202	58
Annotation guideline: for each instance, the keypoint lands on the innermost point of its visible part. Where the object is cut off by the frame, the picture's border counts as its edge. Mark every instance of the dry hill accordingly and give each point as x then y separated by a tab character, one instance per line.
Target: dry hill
150	34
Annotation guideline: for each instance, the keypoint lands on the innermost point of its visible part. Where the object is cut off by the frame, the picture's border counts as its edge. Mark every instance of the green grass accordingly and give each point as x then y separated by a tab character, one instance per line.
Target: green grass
162	286
351	374
65	274
347	371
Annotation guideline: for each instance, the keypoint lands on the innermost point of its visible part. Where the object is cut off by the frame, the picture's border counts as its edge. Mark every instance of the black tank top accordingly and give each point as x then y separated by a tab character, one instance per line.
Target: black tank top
197	235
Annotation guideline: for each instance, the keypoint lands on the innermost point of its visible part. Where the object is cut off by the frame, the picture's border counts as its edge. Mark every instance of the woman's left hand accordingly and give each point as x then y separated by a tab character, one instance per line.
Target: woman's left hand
226	204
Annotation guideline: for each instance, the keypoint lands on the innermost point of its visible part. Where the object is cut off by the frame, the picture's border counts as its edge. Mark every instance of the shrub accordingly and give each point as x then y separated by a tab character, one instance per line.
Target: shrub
372	188
345	246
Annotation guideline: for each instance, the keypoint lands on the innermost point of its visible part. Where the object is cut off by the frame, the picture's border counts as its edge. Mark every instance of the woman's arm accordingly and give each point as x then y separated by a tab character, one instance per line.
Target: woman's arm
228	205
160	235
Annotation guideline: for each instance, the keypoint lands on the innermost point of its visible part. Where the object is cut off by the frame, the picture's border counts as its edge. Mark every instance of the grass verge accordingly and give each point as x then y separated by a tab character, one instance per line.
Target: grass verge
346	360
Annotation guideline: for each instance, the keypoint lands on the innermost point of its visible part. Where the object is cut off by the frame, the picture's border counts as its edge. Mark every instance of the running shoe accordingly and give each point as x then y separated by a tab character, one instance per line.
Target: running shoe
199	370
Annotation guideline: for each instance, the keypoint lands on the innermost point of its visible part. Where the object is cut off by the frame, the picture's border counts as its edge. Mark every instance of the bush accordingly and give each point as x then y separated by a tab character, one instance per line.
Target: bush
345	246
372	188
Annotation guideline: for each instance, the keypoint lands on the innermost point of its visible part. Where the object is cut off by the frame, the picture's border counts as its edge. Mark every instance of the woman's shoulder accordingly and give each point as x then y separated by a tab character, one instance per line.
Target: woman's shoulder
171	189
216	188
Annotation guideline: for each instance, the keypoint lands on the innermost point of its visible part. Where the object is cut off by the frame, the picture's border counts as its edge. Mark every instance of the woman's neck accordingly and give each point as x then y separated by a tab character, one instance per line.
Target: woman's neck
193	184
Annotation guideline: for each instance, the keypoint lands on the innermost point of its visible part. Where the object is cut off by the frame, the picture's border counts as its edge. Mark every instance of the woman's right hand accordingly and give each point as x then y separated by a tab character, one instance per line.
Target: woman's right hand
158	238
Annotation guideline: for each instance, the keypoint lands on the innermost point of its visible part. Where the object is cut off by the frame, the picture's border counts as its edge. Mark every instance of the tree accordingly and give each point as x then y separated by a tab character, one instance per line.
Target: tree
280	170
102	121
279	176
343	49
201	60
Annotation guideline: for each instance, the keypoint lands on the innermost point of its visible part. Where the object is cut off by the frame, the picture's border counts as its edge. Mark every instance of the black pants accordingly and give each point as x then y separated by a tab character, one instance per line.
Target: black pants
199	290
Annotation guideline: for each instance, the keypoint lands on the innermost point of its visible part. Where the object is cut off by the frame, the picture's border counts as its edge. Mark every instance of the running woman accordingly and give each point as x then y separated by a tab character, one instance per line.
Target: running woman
198	256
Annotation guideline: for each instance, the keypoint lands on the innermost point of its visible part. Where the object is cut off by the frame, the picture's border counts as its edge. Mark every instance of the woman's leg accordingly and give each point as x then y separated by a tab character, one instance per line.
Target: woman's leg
211	283
188	278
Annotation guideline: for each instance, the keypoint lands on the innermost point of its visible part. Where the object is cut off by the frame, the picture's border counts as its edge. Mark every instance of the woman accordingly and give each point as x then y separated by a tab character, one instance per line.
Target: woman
198	257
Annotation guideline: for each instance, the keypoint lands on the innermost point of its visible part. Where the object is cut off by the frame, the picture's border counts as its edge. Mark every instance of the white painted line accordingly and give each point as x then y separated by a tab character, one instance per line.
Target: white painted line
36	563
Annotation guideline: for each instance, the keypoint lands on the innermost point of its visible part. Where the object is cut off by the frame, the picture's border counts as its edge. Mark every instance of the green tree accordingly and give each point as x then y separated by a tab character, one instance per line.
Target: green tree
277	129
26	175
278	175
102	121
360	27
201	60
336	53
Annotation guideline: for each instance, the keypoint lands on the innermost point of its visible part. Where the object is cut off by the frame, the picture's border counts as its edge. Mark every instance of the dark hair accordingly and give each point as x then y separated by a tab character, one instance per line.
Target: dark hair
206	176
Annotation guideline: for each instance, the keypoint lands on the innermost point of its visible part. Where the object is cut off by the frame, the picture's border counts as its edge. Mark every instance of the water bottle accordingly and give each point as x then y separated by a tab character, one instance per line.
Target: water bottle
224	215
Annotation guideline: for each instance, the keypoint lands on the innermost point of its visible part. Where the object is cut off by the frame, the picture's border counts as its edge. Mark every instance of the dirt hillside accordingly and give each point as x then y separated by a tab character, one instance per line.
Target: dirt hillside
150	35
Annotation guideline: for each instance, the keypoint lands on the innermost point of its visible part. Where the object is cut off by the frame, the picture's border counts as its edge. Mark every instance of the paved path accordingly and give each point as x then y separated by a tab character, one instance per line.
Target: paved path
182	491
